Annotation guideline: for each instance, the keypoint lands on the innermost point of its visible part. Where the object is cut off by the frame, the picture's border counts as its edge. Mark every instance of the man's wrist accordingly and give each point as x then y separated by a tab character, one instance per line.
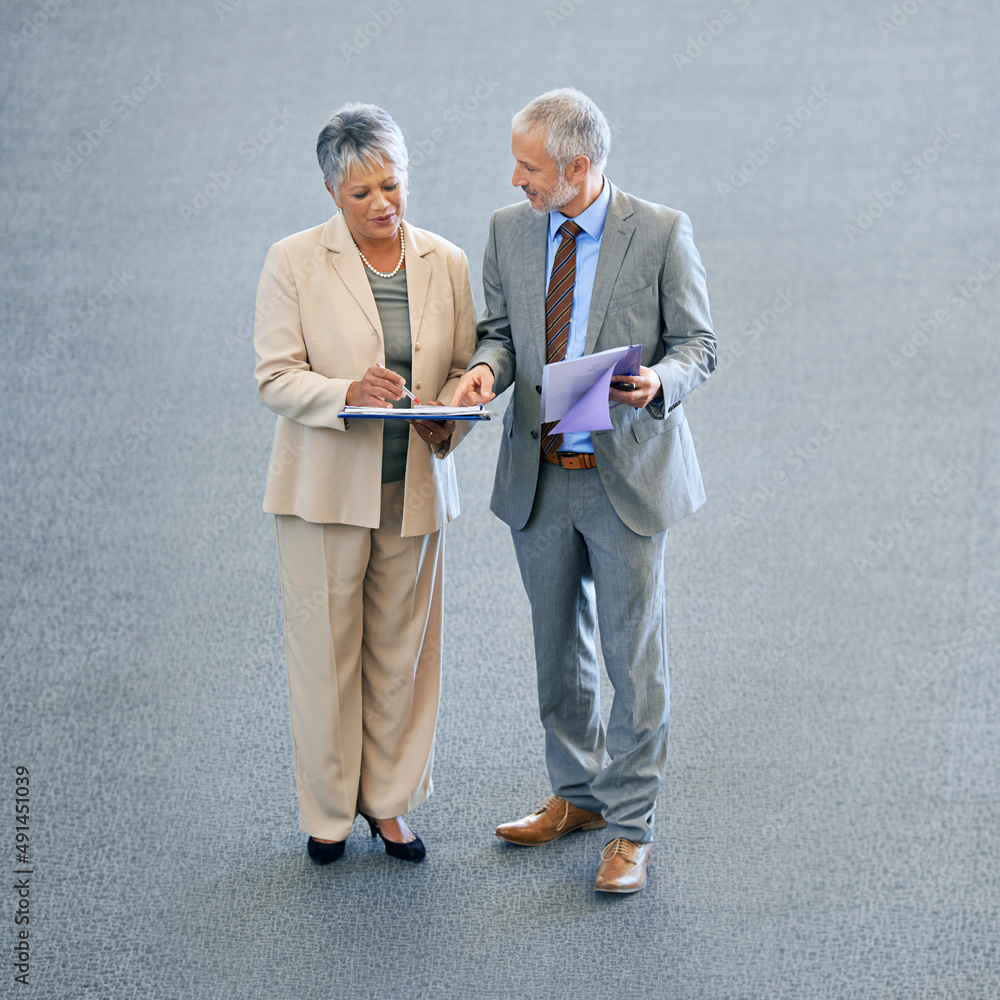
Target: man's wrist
657	399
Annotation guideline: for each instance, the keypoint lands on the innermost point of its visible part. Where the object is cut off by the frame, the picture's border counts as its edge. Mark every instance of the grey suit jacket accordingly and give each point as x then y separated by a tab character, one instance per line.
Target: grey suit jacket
649	289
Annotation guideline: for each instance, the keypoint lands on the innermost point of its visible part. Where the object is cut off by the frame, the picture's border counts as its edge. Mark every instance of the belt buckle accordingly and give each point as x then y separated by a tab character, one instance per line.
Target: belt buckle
575	459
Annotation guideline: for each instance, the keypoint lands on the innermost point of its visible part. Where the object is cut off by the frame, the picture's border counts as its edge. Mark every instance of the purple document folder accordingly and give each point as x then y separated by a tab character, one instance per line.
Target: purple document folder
575	393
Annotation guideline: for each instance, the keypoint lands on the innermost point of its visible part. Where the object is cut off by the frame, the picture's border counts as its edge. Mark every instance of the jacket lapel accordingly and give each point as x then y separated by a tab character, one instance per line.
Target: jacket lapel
418	275
618	230
337	238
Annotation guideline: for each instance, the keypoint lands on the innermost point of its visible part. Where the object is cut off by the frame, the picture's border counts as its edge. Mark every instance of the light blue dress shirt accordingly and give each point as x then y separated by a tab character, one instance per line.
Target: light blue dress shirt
588	248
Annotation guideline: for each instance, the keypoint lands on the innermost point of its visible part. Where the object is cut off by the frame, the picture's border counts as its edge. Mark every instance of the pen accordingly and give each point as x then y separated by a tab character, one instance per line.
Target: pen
403	387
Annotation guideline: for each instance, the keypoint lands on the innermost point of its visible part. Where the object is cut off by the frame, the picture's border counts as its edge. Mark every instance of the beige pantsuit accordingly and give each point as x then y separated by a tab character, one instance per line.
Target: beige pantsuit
361	561
363	618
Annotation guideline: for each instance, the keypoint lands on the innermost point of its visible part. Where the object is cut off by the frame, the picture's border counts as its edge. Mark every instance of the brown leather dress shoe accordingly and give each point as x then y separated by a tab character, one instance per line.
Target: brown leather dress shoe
623	866
553	818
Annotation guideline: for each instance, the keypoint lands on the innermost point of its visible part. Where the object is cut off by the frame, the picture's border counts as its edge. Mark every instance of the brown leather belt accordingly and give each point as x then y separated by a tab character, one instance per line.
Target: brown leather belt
572	460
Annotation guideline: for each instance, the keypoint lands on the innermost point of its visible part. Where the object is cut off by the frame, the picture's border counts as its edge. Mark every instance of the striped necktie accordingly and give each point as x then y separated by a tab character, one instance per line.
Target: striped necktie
558	306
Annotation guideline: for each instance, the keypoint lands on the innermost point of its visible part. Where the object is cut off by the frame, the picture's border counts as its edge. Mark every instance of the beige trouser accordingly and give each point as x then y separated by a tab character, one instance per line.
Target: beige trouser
363	619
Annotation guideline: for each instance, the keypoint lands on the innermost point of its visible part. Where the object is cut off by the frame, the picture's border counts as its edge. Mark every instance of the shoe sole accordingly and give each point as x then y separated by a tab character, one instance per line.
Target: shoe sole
325	861
594	825
638	888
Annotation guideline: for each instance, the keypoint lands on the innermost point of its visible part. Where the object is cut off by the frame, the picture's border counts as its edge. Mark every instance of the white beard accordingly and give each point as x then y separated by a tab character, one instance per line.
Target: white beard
561	195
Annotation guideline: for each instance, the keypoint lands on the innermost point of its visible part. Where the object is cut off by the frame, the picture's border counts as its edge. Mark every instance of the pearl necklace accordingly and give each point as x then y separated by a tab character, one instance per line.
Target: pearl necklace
383	274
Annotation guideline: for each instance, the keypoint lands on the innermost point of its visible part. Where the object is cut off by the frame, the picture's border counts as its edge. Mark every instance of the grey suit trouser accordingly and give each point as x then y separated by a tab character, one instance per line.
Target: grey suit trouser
573	549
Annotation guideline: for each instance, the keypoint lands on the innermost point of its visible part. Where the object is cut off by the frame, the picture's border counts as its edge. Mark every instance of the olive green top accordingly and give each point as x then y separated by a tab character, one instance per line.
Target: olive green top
394	314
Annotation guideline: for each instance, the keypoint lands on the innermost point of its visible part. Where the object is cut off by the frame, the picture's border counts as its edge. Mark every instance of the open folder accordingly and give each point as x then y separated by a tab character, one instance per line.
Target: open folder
575	393
417	413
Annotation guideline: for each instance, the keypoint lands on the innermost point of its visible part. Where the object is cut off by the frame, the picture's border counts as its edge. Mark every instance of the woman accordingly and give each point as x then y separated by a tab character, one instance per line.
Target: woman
351	313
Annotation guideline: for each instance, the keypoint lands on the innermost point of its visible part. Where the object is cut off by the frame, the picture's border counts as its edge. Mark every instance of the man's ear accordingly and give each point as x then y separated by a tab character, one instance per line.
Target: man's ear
578	169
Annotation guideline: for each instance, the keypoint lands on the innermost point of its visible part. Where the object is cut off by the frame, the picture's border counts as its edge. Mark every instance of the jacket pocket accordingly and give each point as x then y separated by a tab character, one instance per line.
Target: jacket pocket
645	427
621	301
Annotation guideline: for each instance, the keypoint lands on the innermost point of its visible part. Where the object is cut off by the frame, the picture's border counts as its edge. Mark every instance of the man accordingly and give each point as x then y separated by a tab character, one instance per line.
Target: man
584	267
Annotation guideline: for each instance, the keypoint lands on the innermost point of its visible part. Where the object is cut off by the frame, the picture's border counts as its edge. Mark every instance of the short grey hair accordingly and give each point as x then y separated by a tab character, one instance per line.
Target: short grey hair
573	125
358	135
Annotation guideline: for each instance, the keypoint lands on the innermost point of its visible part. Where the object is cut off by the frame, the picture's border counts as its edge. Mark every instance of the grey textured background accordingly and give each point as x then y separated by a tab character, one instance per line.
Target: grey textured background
828	828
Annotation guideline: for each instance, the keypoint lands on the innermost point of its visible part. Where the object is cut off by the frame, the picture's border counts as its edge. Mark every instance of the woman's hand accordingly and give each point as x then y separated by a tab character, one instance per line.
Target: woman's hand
376	386
476	387
434	432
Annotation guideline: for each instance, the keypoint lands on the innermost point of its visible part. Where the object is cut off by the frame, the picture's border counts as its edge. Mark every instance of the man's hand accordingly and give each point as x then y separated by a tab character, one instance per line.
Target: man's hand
434	432
376	386
475	388
647	388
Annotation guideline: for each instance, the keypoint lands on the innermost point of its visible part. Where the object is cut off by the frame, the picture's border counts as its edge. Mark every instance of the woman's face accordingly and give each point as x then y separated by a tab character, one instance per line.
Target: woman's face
373	201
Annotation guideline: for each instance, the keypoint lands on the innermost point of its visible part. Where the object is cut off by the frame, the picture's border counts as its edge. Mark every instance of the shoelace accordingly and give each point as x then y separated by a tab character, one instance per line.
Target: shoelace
549	805
616	846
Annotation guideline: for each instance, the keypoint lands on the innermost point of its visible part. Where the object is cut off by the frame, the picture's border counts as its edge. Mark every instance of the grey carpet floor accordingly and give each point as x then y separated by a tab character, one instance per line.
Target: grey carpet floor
828	826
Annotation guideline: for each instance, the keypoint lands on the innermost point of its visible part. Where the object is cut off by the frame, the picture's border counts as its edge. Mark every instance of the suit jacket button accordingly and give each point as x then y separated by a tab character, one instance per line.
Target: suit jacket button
534	434
418	385
416	346
538	389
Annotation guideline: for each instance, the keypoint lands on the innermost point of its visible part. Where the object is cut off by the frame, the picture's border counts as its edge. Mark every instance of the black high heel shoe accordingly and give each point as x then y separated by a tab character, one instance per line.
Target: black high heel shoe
413	850
322	853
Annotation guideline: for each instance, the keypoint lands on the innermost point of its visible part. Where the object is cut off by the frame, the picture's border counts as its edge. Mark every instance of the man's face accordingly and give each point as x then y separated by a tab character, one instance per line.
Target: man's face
544	184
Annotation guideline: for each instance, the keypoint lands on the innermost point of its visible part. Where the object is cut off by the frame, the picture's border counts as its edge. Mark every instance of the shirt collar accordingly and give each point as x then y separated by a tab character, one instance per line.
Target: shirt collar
591	220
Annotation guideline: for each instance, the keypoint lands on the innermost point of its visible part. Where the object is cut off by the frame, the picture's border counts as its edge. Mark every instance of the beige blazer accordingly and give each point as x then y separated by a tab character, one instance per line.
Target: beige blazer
316	330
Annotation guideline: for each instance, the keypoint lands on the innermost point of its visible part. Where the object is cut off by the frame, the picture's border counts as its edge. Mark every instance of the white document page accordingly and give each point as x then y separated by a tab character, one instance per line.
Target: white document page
422	412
